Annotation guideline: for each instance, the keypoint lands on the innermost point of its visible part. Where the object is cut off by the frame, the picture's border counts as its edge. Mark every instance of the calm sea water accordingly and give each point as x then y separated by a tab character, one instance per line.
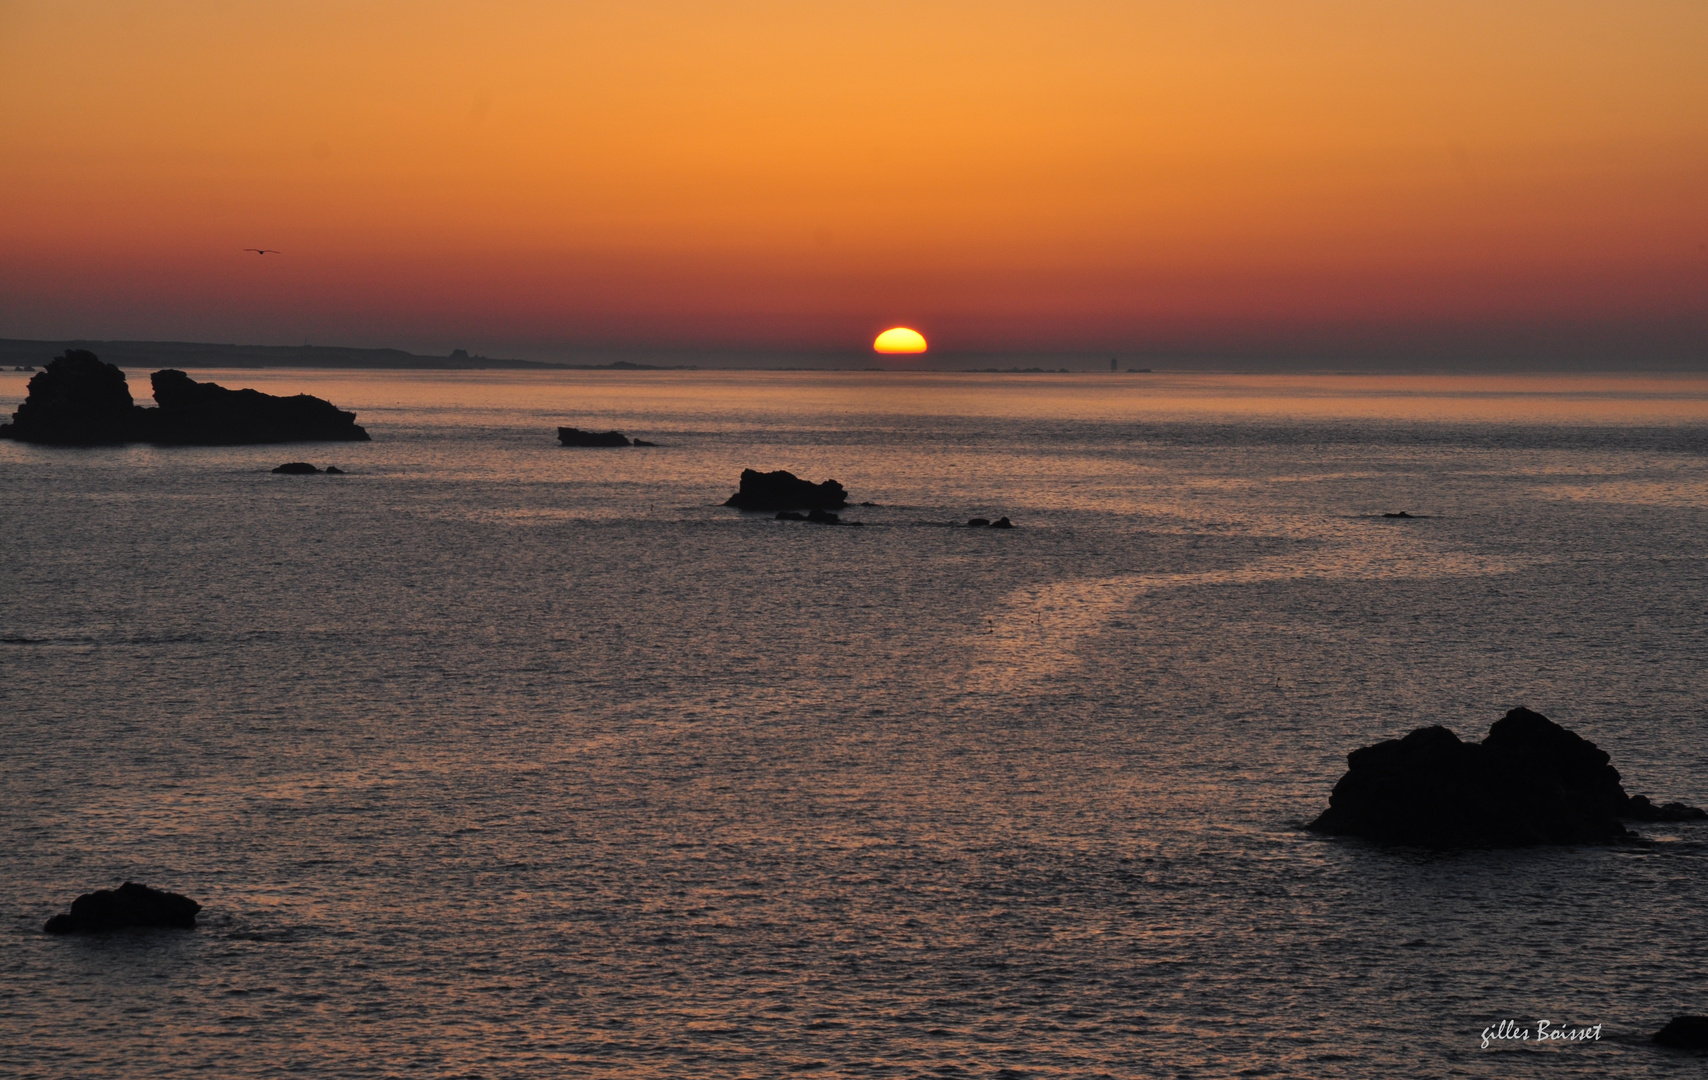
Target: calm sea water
493	758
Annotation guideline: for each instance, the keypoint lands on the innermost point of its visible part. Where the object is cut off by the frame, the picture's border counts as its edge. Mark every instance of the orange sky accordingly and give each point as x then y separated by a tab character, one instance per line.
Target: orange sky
538	178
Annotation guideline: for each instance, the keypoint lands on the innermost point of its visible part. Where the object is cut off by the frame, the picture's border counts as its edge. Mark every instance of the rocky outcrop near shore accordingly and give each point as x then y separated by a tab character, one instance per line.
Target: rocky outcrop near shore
1529	782
782	490
130	905
80	401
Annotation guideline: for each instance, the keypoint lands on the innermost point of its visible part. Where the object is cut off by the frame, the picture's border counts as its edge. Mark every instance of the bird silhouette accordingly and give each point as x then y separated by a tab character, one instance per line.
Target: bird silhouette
263	251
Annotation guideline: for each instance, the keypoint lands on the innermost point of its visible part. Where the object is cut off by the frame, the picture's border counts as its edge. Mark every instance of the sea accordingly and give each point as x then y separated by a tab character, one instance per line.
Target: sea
495	758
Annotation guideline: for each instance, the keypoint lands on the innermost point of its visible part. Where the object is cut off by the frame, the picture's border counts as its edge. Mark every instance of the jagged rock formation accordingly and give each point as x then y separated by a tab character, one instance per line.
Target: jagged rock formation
76	401
782	490
80	401
1529	782
569	436
207	414
130	905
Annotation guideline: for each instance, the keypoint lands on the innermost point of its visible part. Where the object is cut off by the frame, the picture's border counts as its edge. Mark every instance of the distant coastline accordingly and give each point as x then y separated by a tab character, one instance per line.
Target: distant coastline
16	352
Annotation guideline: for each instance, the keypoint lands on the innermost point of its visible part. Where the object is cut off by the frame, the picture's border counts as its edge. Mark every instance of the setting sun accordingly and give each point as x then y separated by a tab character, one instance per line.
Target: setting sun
900	339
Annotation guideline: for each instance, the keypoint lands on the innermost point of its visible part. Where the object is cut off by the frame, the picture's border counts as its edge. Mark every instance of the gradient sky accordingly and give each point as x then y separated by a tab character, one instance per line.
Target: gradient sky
541	178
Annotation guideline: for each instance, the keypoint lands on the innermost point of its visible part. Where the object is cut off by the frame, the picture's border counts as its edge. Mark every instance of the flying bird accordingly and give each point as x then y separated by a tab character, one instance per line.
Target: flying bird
263	251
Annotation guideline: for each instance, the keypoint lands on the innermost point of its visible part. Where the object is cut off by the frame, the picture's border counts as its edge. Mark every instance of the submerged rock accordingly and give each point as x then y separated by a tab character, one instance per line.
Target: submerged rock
570	436
80	401
817	517
297	468
977	523
984	523
1401	514
1684	1033
1002	523
1529	782
782	490
127	906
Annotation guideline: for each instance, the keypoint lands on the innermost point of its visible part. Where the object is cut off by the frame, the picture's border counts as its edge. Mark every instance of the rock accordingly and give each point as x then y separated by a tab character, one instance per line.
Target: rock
570	436
643	442
207	414
333	470
1002	523
79	401
782	490
297	468
76	401
1641	809
1401	514
977	523
128	905
1684	1033
1529	782
790	515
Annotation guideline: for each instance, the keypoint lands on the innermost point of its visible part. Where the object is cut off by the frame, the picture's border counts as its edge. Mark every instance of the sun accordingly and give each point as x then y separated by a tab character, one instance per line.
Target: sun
899	339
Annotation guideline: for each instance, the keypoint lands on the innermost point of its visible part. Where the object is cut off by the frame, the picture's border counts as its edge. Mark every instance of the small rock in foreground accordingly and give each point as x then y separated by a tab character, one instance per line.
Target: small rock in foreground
297	468
570	436
130	905
1529	782
1684	1033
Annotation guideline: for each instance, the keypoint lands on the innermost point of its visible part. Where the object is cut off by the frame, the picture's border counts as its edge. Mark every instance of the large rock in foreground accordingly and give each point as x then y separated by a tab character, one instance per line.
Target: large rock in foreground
782	490
79	401
76	401
129	905
1530	782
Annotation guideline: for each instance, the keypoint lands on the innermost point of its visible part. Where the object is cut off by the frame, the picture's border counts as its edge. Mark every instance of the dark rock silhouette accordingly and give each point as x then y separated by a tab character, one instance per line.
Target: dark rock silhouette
1002	523
977	523
1401	514
1684	1033
127	906
570	436
790	515
333	470
783	490
296	468
1529	782
981	523
643	442
80	401
76	401
207	414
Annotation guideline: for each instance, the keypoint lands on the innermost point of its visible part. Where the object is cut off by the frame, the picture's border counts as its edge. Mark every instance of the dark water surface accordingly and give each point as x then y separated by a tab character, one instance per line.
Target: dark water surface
496	759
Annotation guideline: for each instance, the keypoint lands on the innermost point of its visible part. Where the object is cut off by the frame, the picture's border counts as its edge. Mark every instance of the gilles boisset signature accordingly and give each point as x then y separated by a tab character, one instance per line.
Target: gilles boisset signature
1545	1031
